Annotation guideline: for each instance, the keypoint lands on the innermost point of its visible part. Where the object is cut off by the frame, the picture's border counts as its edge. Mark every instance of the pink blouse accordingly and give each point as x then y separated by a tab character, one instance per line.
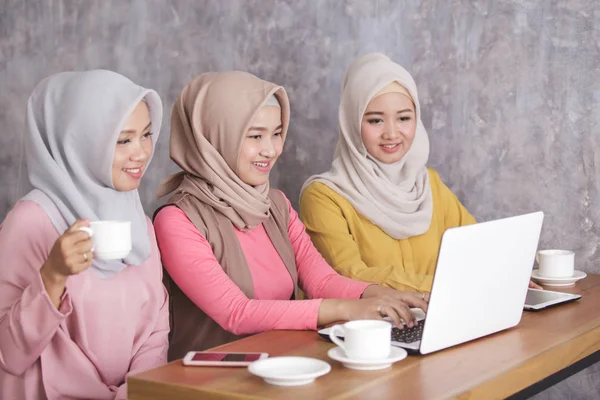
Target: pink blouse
103	330
189	259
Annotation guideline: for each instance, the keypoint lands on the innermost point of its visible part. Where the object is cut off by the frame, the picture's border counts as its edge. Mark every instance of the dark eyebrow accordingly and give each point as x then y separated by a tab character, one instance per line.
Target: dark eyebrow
133	130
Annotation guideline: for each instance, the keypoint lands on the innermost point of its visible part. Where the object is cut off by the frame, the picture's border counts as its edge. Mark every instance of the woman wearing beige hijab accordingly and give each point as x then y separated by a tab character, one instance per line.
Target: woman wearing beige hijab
379	213
234	249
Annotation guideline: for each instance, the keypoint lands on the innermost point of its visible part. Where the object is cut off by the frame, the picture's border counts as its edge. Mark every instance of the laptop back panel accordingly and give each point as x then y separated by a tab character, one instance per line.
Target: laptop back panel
481	280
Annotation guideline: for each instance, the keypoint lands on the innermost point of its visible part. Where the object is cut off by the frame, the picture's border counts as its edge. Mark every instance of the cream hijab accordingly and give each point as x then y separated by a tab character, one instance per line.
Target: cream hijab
396	197
73	121
209	121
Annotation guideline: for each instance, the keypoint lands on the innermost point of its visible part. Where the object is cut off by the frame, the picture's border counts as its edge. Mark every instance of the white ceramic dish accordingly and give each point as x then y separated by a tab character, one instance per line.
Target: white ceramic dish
396	354
289	371
546	281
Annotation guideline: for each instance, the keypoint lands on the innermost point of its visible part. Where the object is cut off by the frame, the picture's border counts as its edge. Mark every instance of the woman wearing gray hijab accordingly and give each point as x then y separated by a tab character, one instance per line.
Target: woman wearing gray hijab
71	325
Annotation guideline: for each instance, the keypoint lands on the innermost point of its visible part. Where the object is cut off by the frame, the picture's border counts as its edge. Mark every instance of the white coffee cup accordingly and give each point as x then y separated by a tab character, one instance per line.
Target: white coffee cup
556	263
111	239
364	339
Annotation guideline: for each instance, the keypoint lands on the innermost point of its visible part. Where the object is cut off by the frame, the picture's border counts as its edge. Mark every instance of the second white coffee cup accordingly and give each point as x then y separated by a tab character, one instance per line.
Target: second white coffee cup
111	239
556	263
364	339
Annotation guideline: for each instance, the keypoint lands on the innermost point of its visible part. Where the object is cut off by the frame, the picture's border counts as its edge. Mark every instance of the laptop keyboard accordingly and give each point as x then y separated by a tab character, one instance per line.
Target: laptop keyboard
408	335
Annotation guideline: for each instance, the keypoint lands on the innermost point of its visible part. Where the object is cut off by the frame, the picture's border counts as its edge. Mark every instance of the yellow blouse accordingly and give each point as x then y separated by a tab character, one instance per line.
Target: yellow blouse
358	249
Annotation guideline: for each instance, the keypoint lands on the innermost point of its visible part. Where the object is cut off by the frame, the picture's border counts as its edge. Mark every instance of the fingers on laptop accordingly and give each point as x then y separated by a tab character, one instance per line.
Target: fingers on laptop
418	300
397	311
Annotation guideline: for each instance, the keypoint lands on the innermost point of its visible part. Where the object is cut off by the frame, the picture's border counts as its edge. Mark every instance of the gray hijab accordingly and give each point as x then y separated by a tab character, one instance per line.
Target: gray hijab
73	121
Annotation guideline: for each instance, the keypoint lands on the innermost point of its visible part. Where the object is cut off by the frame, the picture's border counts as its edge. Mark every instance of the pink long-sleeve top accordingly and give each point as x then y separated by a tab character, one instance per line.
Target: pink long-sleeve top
102	331
189	260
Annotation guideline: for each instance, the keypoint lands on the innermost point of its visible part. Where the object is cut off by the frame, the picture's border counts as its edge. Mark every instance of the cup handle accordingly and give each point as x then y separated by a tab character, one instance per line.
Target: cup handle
537	257
334	338
89	231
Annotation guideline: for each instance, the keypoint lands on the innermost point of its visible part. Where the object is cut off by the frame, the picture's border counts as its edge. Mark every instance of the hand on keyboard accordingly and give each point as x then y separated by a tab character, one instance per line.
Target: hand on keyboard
408	335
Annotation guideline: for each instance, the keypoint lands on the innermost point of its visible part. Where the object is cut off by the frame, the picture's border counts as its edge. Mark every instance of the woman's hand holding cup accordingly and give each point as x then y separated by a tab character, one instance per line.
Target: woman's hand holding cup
70	255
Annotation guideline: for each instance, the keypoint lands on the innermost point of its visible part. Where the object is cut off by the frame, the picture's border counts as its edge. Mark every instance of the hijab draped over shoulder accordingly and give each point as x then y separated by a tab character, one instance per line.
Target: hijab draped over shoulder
73	122
396	197
209	121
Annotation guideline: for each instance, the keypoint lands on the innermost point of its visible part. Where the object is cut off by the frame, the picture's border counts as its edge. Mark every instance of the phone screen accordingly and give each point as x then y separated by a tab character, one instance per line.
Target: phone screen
226	357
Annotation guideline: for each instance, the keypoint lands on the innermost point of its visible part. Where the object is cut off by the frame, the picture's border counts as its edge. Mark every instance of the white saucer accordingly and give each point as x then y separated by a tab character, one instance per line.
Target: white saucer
289	371
396	354
547	281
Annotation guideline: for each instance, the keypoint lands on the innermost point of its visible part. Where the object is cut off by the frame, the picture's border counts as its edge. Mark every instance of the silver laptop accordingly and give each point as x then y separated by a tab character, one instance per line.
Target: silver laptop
479	286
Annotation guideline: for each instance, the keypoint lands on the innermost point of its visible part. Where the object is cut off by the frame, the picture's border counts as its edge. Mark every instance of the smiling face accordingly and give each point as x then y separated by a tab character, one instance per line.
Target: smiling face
388	127
261	146
133	150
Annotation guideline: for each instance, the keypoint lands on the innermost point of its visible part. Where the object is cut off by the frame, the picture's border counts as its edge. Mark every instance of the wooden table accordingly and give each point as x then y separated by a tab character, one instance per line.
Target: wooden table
545	345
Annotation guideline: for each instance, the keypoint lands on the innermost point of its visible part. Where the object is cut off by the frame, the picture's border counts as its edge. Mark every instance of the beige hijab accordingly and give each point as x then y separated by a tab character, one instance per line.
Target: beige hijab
208	124
396	197
207	119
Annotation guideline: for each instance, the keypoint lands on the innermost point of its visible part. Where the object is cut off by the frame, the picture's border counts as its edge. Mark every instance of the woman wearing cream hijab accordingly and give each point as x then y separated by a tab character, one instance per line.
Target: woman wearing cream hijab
234	249
379	213
73	326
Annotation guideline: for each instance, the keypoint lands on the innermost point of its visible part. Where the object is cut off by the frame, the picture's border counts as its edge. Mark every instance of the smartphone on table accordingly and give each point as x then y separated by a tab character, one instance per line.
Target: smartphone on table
221	359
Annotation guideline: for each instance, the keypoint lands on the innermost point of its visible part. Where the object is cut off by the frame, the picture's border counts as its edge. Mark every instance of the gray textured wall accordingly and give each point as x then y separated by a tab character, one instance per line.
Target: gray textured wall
510	90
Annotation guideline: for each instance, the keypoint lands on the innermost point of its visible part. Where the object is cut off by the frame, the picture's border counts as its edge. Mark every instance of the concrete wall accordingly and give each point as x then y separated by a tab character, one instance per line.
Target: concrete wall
510	90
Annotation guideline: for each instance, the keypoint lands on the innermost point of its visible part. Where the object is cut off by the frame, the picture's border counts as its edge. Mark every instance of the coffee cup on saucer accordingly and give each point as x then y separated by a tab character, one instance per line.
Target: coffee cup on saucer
556	263
364	339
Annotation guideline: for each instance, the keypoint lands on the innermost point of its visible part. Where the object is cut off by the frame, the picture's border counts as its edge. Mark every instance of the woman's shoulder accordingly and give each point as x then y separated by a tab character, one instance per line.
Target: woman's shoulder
321	191
434	176
317	187
27	226
435	182
169	218
27	215
319	201
168	212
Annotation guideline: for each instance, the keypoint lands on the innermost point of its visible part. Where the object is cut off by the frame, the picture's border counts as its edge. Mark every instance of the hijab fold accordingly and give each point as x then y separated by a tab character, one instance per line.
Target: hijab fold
208	125
396	197
209	119
73	122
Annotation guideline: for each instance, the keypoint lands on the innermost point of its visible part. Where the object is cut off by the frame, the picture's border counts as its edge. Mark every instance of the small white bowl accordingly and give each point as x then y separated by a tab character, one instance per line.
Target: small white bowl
289	371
